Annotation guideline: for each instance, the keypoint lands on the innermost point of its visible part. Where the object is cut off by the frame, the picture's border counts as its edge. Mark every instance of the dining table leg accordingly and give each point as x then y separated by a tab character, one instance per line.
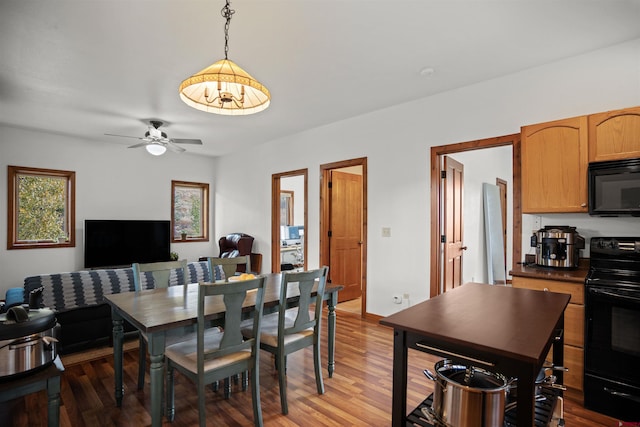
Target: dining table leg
118	335
331	332
156	374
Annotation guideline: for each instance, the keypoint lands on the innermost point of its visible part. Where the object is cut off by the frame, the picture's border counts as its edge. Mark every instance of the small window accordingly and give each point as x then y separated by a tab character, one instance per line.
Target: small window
189	211
41	210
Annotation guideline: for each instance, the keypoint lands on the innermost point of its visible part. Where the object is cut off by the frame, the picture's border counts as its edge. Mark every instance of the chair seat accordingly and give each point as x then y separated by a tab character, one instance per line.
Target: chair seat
269	328
185	353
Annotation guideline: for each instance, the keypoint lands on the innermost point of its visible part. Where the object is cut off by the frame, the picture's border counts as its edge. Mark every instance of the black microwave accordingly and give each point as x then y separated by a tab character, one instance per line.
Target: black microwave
614	188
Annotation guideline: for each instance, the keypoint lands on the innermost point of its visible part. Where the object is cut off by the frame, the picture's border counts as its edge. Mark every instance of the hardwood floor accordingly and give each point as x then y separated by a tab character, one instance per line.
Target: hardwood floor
359	394
352	306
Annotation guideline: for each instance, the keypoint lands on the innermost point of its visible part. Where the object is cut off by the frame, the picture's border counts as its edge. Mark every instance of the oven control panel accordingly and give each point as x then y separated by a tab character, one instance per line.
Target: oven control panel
614	245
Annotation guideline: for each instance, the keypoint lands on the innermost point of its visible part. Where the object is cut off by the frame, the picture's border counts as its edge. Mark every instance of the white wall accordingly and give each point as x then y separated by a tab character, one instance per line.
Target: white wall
112	182
120	183
482	166
396	142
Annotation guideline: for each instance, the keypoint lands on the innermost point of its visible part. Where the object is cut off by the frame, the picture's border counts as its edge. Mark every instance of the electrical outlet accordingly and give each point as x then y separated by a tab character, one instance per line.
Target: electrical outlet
386	231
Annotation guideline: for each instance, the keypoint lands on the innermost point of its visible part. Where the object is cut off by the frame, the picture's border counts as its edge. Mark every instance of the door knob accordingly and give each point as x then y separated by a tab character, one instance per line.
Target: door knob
464	248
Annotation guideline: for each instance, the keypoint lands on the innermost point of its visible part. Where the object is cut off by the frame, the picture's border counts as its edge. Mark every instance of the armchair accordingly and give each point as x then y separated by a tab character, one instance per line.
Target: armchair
234	245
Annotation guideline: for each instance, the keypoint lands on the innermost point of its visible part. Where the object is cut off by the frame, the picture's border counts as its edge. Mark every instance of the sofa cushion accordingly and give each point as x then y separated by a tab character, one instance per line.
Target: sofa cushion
66	291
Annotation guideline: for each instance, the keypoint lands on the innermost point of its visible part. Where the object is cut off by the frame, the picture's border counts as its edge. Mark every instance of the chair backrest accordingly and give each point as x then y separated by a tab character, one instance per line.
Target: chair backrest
235	296
306	282
229	266
160	271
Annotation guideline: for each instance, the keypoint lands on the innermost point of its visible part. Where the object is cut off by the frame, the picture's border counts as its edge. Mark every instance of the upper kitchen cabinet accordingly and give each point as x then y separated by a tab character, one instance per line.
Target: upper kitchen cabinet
554	166
614	135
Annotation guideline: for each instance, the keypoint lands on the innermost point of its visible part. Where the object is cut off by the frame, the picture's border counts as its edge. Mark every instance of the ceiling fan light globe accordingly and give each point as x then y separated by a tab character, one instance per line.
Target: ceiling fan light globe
156	149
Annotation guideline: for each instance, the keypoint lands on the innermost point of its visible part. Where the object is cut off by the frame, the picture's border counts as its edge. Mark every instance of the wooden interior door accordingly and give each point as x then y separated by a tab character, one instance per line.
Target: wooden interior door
345	242
453	186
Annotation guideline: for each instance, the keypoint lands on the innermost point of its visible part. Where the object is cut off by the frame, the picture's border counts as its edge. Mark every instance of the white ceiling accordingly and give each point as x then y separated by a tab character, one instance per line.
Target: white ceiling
89	67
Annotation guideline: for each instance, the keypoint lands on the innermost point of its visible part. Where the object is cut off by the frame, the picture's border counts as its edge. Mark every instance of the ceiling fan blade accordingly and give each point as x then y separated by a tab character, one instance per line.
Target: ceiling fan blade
124	136
171	146
142	144
186	141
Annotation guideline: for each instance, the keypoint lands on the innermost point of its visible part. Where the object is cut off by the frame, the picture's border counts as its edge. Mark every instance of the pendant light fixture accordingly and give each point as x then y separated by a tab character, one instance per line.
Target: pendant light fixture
224	87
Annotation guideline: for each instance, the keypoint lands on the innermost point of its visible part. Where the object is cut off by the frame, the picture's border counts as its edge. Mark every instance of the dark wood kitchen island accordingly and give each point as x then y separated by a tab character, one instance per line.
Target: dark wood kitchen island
498	328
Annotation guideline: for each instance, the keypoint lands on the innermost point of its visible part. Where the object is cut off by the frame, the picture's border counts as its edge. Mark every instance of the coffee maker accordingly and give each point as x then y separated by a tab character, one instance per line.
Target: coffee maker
557	246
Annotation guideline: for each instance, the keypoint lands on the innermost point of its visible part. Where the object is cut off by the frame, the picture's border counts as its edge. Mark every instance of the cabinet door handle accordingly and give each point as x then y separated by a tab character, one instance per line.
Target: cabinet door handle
621	394
457	355
583	205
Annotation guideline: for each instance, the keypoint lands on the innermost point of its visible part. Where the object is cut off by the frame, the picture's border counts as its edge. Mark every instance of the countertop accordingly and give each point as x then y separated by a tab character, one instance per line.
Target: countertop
483	319
548	273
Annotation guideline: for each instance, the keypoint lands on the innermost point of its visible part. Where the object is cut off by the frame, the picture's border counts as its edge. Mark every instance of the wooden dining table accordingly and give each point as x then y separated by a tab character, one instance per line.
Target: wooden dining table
157	311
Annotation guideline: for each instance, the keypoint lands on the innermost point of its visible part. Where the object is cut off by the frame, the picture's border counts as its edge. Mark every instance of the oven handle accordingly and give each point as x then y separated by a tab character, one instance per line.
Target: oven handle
622	394
614	295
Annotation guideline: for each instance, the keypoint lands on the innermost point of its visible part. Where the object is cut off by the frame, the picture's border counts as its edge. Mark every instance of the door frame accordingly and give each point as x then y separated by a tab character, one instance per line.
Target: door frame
436	217
325	175
275	216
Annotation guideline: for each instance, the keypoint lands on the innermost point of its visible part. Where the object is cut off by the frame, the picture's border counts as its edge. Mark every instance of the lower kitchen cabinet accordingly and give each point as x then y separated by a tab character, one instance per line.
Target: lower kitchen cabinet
573	325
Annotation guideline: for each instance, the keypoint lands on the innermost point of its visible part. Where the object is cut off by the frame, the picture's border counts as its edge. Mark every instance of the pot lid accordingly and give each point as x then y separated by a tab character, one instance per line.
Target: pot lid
471	377
20	321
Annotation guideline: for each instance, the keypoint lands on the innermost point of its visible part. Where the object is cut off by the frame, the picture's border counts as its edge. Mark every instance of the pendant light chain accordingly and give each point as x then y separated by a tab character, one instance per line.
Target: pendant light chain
227	12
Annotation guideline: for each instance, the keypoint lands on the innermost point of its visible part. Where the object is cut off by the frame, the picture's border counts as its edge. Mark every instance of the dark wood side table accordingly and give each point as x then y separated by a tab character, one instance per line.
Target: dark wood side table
45	379
498	328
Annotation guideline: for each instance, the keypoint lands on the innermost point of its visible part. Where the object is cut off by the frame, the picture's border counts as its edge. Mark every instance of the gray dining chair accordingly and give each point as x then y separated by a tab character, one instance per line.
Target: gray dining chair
211	353
159	274
228	266
290	330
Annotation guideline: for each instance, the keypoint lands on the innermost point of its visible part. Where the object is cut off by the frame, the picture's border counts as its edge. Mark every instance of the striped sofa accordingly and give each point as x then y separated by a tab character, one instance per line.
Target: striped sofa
77	299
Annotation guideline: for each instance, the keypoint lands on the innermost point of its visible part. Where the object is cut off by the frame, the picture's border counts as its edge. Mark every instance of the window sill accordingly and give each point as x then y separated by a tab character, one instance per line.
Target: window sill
40	244
190	239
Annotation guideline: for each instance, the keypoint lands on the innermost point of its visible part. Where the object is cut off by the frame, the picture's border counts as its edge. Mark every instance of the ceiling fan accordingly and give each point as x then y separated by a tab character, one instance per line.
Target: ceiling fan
156	142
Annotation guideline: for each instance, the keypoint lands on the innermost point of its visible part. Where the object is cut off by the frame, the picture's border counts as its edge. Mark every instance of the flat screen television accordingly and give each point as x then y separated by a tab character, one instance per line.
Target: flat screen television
115	243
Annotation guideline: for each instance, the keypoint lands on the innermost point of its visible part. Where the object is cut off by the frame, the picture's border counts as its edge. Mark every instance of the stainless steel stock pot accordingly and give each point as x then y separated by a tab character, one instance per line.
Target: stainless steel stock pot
467	396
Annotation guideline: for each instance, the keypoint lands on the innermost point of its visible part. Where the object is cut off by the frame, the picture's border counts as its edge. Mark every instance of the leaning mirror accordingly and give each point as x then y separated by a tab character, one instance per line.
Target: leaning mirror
289	221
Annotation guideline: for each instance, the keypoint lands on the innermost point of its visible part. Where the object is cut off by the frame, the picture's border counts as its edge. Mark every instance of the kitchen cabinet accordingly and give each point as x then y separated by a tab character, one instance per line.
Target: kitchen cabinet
554	166
614	135
573	324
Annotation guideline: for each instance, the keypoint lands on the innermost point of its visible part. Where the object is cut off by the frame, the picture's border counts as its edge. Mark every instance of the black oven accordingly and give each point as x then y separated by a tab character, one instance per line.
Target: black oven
612	332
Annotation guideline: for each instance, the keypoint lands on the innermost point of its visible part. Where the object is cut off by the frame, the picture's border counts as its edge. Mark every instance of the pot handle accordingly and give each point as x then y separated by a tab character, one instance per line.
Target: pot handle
429	374
18	314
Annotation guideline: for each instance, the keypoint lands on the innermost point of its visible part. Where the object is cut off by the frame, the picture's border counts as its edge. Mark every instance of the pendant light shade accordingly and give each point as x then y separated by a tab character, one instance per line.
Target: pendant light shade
224	87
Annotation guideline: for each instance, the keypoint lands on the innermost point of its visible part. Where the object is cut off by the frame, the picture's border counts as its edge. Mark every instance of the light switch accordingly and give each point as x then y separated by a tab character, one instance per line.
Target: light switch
386	231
